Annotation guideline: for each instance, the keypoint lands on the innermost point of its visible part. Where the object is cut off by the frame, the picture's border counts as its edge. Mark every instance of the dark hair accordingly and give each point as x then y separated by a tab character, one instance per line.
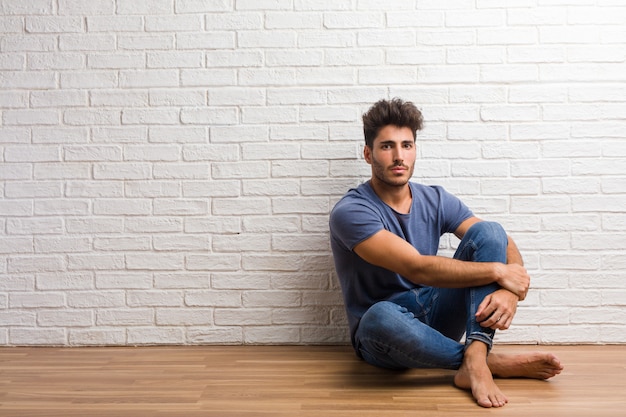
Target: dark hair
396	112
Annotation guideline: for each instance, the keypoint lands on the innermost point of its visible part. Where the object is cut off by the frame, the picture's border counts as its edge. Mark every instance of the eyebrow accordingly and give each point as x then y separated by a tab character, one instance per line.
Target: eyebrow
391	142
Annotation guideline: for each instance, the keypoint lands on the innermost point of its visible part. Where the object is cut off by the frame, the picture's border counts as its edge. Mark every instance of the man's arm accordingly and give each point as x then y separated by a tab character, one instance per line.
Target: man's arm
389	251
513	256
498	309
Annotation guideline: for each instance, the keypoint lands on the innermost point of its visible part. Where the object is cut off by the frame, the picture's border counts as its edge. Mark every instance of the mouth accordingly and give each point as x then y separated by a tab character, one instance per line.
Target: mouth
398	169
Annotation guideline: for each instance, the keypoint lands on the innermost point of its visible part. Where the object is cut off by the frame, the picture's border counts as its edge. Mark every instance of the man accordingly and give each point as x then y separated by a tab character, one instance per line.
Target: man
406	306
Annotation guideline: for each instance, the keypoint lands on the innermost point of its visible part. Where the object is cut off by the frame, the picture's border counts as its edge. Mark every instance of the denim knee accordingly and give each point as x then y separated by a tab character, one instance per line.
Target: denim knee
483	242
490	231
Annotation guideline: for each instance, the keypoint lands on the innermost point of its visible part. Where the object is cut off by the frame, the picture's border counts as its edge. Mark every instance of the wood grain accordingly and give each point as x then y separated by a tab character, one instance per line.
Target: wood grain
286	381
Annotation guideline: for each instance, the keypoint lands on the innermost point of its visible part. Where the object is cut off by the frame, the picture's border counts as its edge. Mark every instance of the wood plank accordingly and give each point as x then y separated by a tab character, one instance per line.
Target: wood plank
286	381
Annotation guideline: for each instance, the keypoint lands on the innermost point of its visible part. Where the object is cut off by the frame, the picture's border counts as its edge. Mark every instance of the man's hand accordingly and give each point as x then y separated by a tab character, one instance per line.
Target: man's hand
497	310
513	277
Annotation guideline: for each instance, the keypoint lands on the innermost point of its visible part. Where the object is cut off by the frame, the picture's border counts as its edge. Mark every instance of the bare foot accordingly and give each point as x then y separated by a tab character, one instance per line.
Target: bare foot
537	365
474	374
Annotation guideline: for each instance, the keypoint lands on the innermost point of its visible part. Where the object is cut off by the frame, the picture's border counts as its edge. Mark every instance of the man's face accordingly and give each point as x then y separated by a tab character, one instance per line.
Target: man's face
392	156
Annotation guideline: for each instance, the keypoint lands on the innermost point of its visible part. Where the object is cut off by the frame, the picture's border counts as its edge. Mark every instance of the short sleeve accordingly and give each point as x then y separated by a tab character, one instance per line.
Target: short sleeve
354	220
454	211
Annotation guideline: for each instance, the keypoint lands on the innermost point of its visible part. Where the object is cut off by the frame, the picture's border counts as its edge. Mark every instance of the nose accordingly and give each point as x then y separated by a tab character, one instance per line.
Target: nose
398	156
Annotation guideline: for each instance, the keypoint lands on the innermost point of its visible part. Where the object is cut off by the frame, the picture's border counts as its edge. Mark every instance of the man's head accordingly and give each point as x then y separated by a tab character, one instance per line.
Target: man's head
394	112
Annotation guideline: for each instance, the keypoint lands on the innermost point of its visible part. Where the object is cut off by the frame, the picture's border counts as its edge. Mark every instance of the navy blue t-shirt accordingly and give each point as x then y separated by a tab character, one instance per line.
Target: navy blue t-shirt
360	214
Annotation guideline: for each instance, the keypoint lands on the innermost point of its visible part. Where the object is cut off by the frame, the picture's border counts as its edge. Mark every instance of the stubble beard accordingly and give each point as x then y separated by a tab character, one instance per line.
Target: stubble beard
379	172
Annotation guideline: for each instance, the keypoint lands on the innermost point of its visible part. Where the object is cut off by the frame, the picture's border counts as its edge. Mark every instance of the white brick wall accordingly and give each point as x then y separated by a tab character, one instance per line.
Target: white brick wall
167	167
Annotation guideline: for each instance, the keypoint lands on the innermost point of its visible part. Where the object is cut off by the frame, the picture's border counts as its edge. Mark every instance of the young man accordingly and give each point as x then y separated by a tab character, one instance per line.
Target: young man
406	306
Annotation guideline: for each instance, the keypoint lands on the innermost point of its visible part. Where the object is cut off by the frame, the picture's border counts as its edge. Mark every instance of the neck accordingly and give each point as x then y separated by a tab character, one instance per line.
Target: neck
398	197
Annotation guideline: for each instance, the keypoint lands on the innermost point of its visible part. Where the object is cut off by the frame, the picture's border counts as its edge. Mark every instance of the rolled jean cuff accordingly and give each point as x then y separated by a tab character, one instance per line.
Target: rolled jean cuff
480	337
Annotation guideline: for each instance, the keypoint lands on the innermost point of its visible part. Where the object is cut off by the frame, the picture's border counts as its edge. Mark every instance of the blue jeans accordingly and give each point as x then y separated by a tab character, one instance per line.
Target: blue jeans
422	328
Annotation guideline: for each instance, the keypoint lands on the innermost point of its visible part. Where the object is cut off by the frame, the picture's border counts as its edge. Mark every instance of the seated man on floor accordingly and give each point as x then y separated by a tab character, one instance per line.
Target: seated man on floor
406	306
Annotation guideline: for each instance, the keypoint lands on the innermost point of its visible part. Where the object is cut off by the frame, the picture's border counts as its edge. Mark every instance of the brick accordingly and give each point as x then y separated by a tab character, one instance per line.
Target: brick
238	58
209	116
138	189
241	281
199	6
26	189
184	317
178	23
96	299
76	7
353	20
240	206
224	188
37	337
174	60
213	262
116	61
28	80
293	20
169	298
94	262
13	100
156	336
272	335
149	78
185	280
114	23
67	318
97	337
160	262
33	43
58	99
25	282
237	96
89	79
33	225
239	170
154	41
154	7
234	21
166	98
37	300
125	317
168	171
215	335
243	317
30	117
221	153
264	5
213	298
241	243
153	225
271	187
92	153
87	42
63	281
121	243
181	243
177	207
323	5
62	244
92	117
16	245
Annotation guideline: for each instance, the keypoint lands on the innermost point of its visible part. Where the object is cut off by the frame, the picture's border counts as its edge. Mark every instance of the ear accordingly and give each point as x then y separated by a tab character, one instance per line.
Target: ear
367	154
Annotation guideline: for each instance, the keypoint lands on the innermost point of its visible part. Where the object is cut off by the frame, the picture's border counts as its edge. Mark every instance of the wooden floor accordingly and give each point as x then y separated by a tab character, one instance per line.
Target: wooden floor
244	381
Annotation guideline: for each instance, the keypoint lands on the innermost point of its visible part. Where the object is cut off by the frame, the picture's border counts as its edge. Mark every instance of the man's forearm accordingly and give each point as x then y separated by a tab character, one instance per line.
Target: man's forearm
437	271
513	256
